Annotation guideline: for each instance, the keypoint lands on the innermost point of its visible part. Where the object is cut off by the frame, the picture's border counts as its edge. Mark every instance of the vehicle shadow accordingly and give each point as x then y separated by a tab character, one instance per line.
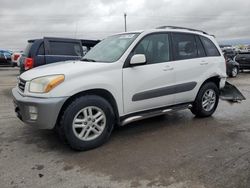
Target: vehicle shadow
48	140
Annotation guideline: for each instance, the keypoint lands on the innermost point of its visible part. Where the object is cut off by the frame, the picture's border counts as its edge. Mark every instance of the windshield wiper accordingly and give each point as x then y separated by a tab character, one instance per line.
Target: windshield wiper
87	59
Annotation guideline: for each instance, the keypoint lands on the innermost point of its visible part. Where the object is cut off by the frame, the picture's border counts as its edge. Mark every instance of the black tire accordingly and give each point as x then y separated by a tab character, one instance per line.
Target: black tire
66	127
234	74
197	108
60	132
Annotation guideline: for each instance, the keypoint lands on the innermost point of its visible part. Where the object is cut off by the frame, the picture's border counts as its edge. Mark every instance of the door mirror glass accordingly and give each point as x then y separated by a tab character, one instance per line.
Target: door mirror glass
138	59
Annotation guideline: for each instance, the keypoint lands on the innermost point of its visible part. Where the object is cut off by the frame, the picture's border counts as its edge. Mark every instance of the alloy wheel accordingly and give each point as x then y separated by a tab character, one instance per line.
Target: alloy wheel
208	100
89	123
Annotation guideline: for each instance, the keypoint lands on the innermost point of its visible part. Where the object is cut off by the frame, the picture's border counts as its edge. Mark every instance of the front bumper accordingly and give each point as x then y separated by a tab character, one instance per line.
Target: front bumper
45	110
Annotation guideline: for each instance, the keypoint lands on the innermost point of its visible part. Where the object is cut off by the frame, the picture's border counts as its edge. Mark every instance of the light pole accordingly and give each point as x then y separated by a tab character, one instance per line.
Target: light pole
125	21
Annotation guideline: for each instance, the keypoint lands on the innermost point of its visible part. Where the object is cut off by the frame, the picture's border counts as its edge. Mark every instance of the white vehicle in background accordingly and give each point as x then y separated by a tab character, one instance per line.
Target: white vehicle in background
124	78
15	57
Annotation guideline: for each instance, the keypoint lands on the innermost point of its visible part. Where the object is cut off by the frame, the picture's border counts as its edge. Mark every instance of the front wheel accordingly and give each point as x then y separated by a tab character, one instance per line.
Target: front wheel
206	101
87	122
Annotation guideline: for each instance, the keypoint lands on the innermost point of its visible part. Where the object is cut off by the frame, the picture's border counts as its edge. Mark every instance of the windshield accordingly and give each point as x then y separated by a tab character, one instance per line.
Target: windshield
111	48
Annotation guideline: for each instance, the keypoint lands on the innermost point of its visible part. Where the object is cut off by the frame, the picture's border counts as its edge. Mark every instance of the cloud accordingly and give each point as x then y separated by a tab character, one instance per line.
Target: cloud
22	20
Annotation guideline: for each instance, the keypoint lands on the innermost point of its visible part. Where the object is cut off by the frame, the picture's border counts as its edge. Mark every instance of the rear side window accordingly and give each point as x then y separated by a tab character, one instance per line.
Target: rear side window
184	46
211	49
65	48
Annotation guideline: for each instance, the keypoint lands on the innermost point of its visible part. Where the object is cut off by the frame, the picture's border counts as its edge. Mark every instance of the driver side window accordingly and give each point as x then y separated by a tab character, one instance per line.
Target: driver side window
155	47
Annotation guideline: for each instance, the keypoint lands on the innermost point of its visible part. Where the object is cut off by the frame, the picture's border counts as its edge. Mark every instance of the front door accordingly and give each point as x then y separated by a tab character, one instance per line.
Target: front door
149	86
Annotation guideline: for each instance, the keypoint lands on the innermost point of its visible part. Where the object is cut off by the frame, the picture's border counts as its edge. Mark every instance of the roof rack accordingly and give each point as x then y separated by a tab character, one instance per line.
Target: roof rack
176	27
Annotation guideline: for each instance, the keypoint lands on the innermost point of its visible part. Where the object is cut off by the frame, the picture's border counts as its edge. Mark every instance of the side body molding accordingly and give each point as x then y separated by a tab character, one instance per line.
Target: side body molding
164	91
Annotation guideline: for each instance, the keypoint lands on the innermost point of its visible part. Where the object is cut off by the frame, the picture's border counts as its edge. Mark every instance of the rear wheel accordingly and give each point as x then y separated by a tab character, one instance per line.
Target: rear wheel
206	101
87	122
234	71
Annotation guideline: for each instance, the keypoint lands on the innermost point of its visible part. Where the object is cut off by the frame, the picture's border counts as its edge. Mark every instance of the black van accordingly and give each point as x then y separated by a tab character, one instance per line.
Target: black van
50	50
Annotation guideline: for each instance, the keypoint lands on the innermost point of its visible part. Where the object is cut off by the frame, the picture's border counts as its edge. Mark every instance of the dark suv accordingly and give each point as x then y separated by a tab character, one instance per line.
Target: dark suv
244	60
50	50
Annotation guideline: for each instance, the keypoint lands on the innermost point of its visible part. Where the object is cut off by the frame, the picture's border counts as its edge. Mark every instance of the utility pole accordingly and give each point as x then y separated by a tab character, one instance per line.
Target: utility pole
125	21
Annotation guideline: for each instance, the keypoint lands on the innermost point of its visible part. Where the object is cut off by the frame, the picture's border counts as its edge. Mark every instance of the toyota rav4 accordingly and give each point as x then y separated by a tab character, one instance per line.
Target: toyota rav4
126	77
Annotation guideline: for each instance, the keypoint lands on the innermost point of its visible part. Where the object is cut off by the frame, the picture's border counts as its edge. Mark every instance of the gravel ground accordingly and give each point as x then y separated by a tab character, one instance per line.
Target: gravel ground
174	151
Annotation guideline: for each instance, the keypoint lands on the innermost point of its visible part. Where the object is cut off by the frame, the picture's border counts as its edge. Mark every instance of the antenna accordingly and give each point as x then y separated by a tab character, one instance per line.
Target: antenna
125	21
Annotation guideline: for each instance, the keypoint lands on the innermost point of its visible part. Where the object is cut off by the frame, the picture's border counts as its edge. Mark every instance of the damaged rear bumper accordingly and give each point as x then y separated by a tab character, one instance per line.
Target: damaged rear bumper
231	93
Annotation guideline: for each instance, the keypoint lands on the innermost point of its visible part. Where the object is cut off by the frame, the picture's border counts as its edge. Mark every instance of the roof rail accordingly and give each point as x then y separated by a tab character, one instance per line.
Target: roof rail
176	27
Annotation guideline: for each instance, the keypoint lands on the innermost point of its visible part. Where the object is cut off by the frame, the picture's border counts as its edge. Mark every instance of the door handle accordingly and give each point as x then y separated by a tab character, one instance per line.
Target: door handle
168	68
204	63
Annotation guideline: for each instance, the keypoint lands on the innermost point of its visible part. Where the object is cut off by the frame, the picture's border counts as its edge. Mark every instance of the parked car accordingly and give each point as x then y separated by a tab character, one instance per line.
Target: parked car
244	60
232	67
50	50
125	78
5	58
226	47
231	64
15	57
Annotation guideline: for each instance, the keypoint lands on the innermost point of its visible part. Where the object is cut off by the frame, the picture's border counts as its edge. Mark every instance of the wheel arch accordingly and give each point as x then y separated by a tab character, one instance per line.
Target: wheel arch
99	92
214	79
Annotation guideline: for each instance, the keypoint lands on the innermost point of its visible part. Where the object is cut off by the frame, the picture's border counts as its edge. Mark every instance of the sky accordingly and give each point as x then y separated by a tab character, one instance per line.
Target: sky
96	19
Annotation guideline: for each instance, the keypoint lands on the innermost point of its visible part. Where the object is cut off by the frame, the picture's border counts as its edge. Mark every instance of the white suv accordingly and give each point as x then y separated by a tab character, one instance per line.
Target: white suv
126	77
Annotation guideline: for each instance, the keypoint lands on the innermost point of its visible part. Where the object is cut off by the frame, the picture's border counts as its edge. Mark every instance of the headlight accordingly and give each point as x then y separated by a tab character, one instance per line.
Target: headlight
45	84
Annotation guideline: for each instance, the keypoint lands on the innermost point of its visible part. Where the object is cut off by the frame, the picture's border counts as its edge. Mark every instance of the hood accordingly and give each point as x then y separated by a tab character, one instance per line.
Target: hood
68	68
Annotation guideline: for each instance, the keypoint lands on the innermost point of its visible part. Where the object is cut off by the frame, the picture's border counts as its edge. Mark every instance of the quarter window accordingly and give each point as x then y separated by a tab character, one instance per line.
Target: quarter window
41	49
200	48
155	47
210	48
184	46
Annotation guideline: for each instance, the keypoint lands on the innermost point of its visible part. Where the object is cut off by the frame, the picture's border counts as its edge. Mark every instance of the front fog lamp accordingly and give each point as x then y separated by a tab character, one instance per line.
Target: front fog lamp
33	112
45	84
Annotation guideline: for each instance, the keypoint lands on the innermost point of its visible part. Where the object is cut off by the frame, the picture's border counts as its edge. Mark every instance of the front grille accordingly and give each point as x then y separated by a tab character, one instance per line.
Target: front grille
21	84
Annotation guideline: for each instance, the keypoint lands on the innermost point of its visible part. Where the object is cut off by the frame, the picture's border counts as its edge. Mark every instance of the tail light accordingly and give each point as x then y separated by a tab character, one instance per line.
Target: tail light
28	63
16	56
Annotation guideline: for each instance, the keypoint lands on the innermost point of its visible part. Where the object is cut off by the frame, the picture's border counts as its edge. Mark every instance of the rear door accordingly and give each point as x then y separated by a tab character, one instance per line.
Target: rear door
62	50
190	63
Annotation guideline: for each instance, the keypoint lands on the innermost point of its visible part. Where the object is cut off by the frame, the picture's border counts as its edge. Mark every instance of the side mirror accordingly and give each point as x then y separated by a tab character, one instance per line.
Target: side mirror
138	59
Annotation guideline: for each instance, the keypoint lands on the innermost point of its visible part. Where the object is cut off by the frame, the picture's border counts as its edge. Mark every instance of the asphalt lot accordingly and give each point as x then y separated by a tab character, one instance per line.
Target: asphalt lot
175	151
